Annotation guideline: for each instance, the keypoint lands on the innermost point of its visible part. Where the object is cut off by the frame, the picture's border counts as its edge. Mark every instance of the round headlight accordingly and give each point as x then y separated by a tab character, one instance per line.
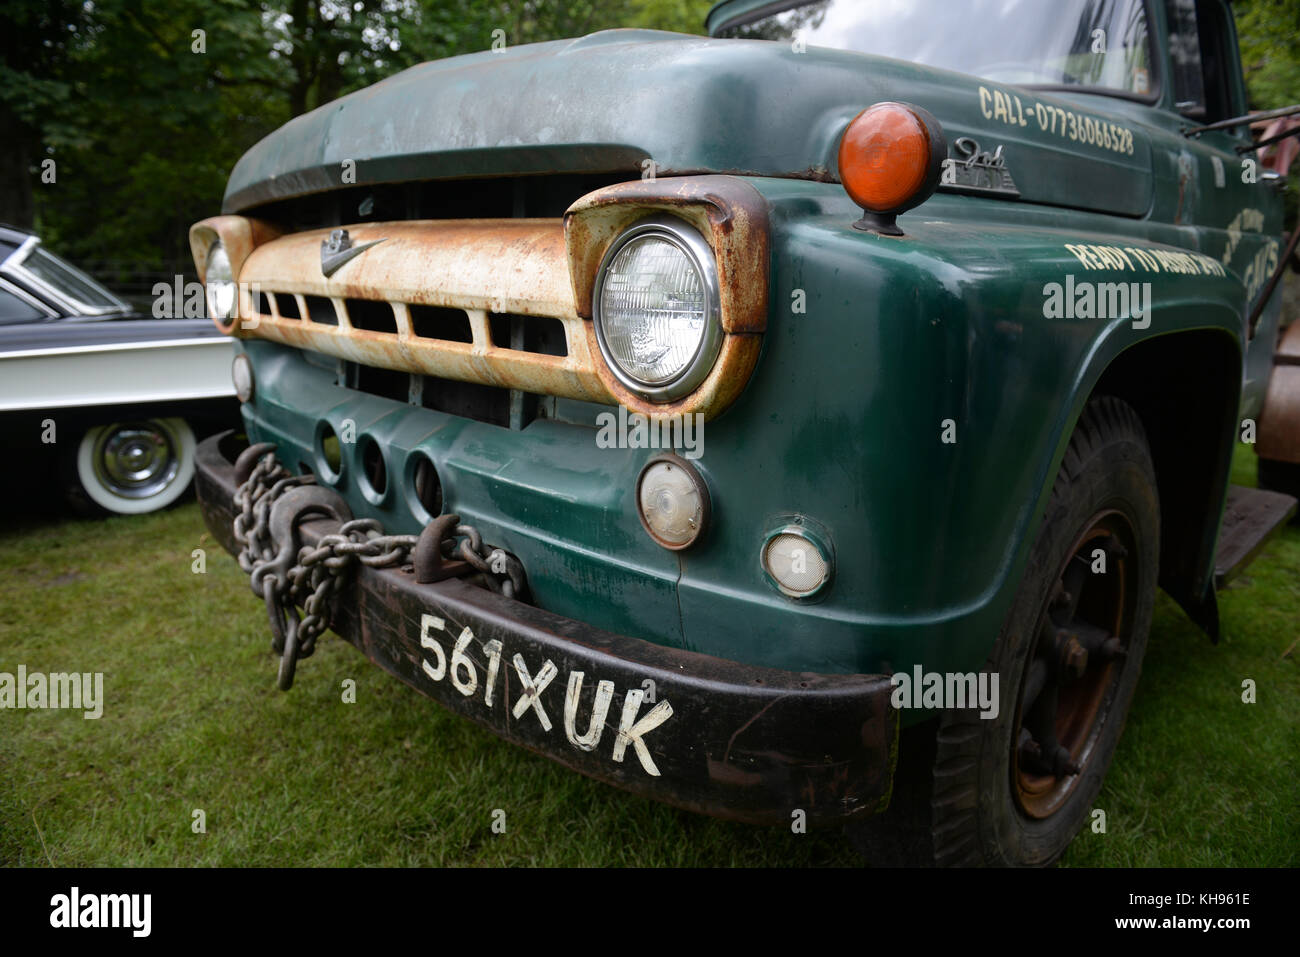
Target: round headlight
219	284
656	309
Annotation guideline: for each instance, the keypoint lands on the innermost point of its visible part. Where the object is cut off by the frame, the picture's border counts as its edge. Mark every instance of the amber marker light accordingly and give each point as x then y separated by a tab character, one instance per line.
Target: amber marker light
891	157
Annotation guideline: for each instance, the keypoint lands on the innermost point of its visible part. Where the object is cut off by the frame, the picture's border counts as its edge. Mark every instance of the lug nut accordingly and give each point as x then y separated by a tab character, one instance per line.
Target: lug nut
1074	658
1062	763
1030	753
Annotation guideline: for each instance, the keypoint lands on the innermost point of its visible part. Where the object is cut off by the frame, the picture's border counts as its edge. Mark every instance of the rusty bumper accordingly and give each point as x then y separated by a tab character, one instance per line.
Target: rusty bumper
708	735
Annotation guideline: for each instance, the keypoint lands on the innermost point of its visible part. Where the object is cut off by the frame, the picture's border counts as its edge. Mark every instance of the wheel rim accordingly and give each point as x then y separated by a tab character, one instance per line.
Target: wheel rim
136	459
1069	681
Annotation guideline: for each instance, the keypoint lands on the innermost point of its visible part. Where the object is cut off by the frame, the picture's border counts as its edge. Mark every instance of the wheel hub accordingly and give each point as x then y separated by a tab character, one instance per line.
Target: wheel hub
135	460
1074	666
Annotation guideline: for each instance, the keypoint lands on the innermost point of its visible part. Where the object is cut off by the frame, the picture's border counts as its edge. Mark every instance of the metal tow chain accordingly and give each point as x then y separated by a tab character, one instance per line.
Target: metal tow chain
271	503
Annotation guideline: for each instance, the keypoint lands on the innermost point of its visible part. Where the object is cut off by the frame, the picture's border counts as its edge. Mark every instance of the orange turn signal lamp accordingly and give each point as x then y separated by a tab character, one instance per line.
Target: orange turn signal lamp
891	157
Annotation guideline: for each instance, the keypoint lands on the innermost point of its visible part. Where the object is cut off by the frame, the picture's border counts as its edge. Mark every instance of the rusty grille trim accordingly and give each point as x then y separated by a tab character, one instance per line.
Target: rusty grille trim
407	352
442	263
524	267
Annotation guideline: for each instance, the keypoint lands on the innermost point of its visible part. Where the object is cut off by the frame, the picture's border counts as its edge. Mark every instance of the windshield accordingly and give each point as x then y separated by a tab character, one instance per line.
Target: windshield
68	282
1087	43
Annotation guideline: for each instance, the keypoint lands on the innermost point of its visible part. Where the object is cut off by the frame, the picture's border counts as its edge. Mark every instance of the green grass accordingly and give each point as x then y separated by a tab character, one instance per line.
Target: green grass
193	721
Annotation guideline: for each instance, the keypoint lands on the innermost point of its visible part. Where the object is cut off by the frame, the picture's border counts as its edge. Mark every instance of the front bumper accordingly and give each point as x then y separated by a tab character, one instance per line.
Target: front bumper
702	733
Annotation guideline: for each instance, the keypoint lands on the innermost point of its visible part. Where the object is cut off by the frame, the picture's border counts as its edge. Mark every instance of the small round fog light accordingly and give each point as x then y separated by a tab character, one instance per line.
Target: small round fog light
797	565
672	501
241	372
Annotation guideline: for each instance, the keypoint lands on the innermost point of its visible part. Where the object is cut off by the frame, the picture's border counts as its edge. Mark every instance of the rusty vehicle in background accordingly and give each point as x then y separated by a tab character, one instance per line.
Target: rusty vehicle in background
1278	448
971	321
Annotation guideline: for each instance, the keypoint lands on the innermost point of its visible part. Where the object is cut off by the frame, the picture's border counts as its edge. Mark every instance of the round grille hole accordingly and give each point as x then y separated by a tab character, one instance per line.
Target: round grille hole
428	487
372	464
331	455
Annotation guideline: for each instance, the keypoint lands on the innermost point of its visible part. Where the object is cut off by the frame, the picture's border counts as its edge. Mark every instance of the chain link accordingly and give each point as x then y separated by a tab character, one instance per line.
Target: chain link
253	500
319	572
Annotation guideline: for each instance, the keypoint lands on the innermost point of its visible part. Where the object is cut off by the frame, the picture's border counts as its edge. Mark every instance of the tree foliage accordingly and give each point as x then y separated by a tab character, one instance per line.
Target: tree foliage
144	115
1269	36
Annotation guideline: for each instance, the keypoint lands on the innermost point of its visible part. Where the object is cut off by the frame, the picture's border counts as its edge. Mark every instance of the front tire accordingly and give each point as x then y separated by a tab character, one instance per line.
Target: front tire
1016	789
132	467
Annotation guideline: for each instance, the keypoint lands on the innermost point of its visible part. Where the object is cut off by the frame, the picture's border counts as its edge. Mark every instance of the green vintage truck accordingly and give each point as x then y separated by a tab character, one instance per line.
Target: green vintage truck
701	411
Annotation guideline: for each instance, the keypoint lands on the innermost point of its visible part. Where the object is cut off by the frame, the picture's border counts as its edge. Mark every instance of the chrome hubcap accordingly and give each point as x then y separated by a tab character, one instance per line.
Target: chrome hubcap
135	459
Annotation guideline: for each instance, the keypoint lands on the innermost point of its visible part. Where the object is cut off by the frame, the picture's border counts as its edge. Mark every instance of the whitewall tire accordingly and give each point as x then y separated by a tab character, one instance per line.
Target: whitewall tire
136	466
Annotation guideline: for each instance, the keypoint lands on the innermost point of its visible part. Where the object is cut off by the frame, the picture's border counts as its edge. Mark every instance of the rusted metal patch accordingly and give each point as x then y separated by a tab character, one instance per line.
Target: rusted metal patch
573	376
527	267
1279	423
516	266
730	374
496	265
731	214
238	234
1288	349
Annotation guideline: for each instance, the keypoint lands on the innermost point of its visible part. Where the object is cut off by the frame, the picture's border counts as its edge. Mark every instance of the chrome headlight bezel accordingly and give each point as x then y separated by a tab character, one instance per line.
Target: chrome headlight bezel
697	250
224	274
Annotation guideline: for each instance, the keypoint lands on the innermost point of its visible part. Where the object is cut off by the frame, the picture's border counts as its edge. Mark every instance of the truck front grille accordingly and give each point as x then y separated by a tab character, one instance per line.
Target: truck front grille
481	302
506	408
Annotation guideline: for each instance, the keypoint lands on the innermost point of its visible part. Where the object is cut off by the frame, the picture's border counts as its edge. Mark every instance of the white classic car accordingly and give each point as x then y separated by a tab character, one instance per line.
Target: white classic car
95	396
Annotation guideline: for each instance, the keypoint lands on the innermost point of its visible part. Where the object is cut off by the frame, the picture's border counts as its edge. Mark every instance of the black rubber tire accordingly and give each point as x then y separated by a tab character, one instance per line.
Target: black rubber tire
975	816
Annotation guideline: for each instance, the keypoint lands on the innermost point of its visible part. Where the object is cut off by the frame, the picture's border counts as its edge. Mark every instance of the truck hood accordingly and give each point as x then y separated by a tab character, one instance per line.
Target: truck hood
612	100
